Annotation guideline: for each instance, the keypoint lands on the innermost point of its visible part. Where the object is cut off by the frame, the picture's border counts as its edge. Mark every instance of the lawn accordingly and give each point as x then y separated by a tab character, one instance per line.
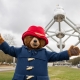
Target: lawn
7	75
55	73
64	73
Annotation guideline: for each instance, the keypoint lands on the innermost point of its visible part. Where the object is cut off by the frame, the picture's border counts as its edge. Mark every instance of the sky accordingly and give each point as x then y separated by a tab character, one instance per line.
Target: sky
17	15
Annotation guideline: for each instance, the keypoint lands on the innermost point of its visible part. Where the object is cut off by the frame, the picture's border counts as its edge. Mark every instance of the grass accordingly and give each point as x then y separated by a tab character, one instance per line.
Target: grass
6	75
64	73
55	73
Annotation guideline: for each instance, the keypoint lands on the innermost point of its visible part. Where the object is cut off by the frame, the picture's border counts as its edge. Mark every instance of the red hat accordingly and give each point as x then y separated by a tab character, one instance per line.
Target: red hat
36	31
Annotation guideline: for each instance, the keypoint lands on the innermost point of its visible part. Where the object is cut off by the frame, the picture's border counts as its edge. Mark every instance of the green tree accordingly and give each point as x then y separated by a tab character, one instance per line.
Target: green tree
5	57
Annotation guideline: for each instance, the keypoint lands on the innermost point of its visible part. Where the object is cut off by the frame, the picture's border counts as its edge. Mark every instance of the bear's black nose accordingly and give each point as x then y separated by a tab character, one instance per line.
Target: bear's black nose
35	41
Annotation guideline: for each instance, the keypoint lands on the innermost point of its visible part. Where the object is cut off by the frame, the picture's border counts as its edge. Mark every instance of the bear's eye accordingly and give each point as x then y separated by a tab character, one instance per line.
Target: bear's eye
31	36
39	38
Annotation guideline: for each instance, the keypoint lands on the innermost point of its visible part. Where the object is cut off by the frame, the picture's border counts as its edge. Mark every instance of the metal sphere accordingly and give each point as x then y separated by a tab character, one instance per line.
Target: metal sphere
59	14
58	45
59	17
60	34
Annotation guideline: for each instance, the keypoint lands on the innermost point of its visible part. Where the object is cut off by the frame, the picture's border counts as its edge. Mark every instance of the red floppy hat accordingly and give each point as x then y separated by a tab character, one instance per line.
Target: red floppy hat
36	31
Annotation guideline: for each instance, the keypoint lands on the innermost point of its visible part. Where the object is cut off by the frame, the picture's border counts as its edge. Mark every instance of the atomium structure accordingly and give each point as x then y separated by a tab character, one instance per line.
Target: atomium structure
59	17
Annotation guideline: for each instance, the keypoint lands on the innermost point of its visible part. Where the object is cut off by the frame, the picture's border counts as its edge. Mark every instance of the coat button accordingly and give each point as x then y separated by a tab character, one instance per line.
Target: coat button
35	52
29	67
29	77
30	59
29	51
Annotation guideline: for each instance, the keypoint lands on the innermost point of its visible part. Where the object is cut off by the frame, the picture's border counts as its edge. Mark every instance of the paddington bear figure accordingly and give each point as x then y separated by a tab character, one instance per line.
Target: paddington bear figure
32	57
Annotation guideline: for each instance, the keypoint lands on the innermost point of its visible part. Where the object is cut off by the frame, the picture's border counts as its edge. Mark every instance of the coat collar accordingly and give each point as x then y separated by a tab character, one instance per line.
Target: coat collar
33	49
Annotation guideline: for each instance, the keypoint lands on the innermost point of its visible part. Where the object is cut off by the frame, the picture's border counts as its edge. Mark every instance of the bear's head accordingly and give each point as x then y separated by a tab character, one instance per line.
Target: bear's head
34	37
33	42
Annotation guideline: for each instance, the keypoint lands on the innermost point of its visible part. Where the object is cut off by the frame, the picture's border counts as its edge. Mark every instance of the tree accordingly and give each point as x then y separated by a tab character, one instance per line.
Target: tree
75	61
10	40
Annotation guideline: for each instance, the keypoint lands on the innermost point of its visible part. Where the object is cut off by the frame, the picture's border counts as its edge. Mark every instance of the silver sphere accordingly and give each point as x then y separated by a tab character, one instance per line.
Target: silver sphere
59	14
60	34
59	18
58	45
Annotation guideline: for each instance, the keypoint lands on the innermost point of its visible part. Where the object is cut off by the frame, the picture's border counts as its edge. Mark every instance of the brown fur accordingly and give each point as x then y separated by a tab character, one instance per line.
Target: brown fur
73	51
28	39
42	43
1	39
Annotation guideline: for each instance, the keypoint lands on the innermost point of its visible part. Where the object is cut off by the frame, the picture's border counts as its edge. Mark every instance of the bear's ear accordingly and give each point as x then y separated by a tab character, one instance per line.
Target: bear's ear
42	43
27	40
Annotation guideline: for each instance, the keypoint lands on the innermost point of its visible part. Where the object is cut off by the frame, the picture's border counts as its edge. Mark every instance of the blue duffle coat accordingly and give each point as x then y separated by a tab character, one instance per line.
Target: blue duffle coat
32	64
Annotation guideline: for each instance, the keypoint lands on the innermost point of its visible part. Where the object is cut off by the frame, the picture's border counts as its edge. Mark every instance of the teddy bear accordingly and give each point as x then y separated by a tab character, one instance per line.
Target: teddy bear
32	57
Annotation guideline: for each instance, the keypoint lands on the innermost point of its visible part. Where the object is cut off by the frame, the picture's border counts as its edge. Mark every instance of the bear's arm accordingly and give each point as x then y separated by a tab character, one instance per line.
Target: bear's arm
54	56
8	49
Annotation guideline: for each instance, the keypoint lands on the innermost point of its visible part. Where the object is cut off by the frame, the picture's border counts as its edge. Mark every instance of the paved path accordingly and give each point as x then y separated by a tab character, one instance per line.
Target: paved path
6	68
75	67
